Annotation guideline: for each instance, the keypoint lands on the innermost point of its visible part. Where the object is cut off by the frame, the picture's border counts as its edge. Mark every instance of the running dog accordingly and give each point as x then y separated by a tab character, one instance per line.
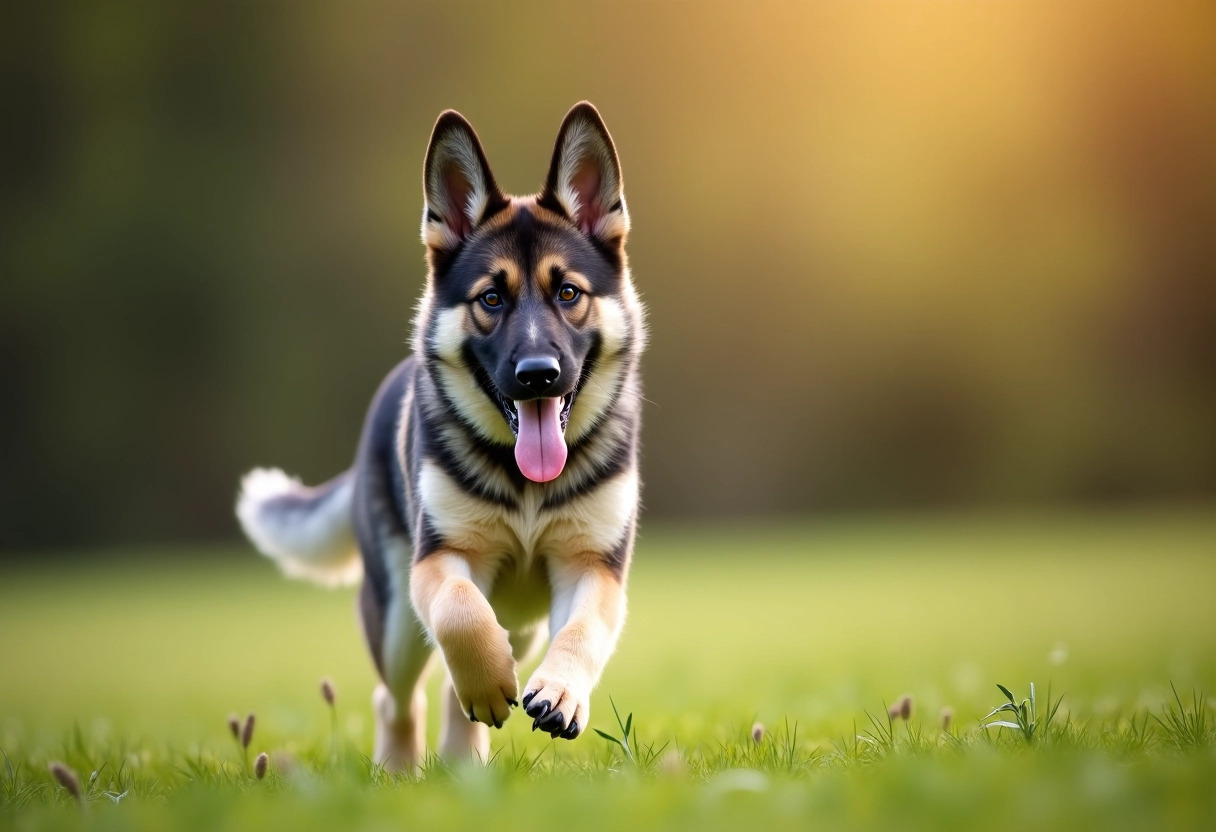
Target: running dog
495	486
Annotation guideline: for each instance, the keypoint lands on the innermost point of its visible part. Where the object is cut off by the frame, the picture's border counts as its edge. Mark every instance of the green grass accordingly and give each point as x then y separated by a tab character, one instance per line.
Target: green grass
130	667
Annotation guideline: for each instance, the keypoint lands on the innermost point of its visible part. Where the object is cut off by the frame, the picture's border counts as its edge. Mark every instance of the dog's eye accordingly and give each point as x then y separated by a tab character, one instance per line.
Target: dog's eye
491	298
568	293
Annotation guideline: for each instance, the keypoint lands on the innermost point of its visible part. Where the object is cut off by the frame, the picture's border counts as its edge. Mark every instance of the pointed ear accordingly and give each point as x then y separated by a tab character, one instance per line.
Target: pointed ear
584	181
457	184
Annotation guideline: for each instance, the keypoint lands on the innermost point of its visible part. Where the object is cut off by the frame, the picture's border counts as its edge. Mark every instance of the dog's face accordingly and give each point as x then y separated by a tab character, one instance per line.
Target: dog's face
527	297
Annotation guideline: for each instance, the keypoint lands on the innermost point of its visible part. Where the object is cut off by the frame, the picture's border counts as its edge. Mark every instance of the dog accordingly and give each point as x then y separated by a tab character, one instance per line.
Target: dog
494	494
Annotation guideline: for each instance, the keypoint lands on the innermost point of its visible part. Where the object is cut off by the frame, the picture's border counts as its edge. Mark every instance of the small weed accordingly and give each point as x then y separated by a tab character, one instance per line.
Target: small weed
882	738
775	751
10	778
1025	715
855	751
642	757
330	697
67	778
1186	729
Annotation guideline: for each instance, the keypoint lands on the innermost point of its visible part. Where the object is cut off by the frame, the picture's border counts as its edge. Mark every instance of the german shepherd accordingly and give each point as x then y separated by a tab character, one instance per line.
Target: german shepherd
496	480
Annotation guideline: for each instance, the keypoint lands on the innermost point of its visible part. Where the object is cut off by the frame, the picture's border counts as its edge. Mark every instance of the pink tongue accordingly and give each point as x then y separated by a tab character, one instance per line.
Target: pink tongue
540	449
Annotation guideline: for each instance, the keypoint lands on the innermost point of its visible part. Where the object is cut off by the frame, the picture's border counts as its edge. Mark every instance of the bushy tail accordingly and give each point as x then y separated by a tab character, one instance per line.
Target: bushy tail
308	532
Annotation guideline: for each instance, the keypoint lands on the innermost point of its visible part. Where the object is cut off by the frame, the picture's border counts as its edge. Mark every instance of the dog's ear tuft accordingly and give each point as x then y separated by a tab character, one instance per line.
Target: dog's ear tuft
584	181
457	184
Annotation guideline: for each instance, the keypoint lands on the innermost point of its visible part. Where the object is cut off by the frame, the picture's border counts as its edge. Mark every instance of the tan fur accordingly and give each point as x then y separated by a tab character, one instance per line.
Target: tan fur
400	736
514	275
450	592
476	649
591	600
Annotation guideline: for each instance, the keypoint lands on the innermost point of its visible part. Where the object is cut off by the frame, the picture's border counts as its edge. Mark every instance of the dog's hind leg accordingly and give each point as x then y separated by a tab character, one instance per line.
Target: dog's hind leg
403	656
398	643
459	737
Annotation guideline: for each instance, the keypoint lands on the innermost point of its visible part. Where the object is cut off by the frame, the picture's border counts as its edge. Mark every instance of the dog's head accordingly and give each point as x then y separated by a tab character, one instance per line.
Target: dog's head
529	313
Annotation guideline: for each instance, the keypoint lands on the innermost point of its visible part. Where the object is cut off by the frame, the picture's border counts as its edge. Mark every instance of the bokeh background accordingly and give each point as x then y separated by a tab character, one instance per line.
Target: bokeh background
898	256
932	390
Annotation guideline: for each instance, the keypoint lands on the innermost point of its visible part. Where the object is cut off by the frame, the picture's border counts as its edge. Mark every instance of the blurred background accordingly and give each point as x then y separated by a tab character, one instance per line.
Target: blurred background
898	257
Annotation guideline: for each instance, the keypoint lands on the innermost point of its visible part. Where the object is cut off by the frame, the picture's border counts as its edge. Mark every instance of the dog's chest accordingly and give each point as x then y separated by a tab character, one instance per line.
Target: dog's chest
528	530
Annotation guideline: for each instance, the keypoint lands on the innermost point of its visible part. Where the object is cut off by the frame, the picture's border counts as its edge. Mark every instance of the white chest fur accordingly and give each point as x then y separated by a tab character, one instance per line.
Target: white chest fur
591	523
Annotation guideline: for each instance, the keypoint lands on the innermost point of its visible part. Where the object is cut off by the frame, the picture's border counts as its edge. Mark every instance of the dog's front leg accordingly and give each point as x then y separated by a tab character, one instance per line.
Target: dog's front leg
474	646
587	612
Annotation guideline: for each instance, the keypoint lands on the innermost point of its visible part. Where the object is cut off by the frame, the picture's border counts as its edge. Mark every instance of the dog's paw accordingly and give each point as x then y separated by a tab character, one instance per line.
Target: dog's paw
483	675
558	708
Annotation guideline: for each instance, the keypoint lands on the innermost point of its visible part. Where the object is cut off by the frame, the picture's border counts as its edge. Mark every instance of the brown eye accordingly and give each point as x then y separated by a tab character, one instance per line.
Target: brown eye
568	293
491	299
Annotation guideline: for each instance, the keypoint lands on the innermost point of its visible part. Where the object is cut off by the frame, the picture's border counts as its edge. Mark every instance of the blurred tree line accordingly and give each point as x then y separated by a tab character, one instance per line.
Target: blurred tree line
923	255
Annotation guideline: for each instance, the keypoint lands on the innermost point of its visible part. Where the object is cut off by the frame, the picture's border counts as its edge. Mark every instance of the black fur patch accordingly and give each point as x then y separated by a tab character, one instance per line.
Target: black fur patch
429	540
618	460
371	613
618	559
379	513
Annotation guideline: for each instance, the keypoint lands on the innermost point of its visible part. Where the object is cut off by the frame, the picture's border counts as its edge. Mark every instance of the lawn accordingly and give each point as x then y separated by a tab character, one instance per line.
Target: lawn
129	664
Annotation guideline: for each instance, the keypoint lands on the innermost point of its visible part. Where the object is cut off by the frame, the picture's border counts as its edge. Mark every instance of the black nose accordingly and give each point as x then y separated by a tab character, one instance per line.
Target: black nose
537	374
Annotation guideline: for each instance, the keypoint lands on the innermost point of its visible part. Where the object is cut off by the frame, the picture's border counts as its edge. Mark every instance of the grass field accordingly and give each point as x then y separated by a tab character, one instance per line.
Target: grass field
129	666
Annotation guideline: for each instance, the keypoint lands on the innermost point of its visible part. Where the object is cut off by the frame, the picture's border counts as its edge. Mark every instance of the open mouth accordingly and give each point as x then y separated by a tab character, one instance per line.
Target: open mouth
539	426
510	410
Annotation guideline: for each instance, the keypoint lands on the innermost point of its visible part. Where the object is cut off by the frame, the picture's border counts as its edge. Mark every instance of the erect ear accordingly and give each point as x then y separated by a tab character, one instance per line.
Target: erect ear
457	183
584	181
